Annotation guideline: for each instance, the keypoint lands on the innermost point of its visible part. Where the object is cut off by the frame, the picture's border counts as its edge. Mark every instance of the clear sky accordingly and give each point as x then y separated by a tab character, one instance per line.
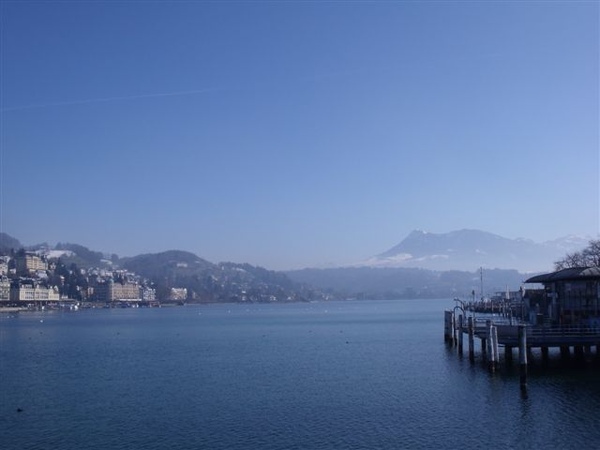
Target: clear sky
296	133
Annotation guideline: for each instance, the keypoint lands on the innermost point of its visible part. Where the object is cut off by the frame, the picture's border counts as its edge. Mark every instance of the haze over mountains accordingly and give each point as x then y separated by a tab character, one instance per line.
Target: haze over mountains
470	249
423	265
465	250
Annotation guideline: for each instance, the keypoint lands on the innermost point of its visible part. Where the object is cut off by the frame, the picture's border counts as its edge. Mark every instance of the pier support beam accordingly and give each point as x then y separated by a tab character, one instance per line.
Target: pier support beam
460	334
523	358
489	351
544	355
508	354
485	342
471	327
484	348
565	353
493	349
454	328
448	324
579	354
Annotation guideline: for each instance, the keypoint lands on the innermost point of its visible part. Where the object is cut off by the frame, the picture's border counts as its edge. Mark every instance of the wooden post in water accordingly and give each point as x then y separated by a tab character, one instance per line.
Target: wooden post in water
545	355
484	348
471	339
508	354
587	349
454	339
448	326
495	346
523	358
485	342
460	334
492	348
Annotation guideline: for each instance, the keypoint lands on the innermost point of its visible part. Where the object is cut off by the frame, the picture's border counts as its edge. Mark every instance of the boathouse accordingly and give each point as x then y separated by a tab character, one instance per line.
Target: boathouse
564	313
569	297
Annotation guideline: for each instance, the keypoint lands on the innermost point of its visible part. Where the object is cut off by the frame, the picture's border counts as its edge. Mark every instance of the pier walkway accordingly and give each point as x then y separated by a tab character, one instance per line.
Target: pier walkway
537	336
504	330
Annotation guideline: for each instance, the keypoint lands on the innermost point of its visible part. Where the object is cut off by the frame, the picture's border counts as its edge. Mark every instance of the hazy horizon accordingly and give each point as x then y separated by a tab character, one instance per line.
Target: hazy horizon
381	260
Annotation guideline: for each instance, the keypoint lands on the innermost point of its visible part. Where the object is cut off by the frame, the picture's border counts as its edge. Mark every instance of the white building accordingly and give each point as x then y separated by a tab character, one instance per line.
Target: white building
32	291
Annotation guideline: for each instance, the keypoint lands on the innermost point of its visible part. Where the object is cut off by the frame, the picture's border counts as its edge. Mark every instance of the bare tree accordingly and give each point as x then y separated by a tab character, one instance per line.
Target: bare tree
588	257
592	253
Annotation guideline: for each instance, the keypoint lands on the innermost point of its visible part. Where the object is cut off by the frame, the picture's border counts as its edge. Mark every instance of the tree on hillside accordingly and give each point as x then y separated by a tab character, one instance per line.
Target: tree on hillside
588	257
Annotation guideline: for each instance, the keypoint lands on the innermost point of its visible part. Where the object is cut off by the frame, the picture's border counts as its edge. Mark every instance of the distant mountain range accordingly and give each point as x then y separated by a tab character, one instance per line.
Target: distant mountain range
470	249
394	283
424	265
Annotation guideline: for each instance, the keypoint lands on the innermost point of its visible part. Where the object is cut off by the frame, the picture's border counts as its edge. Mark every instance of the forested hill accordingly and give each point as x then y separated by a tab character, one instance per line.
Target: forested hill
229	281
8	243
216	282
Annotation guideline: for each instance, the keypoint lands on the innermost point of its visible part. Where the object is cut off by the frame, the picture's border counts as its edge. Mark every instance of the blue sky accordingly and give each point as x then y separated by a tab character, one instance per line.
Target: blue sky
296	134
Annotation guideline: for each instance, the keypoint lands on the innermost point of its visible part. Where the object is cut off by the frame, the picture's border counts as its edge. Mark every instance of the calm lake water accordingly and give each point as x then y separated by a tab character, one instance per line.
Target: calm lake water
340	375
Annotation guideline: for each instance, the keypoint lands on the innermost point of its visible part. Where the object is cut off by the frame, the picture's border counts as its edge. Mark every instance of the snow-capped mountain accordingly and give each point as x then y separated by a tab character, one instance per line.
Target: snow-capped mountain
470	249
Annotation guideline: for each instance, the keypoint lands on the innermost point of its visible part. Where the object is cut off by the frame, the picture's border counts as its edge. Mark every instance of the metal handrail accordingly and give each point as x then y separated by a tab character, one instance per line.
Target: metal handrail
563	331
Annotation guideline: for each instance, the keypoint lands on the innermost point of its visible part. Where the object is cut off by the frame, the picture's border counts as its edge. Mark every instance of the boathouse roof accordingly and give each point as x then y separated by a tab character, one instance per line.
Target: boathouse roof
570	274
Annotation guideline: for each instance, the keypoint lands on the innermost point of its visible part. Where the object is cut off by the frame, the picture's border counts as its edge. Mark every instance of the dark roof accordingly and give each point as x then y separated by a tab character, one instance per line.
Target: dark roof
573	273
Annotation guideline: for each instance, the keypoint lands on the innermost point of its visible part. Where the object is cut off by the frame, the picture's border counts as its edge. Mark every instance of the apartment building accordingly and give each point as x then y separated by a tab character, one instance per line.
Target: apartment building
111	291
28	263
32	291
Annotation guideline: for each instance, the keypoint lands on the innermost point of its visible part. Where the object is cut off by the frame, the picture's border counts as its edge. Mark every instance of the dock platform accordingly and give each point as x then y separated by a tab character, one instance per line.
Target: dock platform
504	331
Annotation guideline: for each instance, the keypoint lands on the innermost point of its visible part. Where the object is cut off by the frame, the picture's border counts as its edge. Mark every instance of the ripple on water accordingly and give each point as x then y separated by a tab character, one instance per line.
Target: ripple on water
363	375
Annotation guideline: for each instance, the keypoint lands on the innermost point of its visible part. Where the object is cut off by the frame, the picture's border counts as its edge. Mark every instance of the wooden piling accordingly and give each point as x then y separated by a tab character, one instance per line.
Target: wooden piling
496	352
448	326
460	334
484	348
508	354
493	348
587	349
486	342
545	355
523	358
471	339
454	327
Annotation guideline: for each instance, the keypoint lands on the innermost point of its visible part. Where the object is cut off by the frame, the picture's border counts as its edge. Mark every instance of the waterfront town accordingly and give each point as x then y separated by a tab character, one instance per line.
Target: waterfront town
33	279
72	276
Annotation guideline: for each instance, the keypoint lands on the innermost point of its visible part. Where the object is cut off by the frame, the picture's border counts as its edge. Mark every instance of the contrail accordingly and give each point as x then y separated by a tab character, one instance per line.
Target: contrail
107	99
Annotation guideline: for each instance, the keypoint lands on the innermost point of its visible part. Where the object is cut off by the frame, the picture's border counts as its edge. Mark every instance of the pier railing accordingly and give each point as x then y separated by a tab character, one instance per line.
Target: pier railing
563	335
511	332
537	336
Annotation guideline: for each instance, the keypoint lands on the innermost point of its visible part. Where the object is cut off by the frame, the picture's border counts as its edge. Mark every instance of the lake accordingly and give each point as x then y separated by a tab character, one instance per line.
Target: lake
336	375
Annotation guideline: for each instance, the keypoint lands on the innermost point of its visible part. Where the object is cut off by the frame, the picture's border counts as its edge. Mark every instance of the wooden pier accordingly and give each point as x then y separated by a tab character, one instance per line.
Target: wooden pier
504	331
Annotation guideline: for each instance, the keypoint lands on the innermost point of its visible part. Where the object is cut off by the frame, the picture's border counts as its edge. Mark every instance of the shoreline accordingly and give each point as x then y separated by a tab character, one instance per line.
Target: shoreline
12	309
